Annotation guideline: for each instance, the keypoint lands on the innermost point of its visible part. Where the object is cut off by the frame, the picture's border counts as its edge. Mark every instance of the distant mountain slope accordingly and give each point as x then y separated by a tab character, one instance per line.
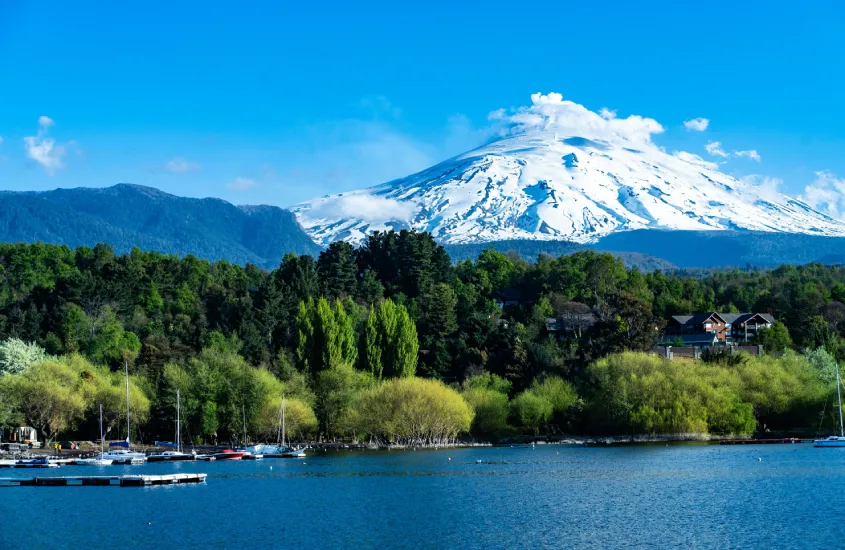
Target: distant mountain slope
662	250
131	215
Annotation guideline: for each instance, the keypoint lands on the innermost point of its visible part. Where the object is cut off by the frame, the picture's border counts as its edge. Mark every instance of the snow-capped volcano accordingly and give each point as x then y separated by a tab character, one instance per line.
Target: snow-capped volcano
562	172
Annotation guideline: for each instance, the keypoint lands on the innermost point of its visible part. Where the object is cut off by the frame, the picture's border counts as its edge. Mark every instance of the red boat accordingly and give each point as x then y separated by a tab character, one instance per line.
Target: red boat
226	454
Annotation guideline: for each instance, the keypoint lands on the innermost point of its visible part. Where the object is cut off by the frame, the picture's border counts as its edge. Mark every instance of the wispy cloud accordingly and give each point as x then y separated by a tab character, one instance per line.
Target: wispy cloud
751	154
766	187
826	194
180	165
42	148
696	124
715	149
695	159
361	206
241	184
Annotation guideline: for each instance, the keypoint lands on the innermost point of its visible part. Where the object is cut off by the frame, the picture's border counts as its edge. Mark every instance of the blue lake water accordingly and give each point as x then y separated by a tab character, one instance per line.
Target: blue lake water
680	496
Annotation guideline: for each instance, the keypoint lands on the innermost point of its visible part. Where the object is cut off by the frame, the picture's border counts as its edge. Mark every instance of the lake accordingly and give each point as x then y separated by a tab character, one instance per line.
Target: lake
705	496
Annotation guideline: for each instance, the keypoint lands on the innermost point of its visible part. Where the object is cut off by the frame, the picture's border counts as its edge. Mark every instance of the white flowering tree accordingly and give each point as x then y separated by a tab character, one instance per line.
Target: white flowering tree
16	355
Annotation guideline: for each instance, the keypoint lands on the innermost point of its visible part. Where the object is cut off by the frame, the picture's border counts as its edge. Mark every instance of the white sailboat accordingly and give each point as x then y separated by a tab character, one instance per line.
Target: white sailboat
125	455
98	461
834	440
298	452
280	449
249	453
177	455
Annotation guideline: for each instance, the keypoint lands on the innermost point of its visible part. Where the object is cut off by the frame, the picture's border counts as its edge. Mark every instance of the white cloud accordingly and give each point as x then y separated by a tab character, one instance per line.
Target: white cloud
364	207
180	165
765	187
752	154
696	124
715	149
695	159
551	112
826	194
606	113
43	149
241	184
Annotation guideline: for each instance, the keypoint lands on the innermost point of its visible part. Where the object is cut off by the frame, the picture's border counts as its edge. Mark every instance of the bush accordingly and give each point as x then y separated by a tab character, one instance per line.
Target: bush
412	411
636	392
491	412
532	410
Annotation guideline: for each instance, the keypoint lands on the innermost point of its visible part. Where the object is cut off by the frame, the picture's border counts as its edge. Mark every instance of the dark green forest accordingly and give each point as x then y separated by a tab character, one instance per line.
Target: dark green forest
397	307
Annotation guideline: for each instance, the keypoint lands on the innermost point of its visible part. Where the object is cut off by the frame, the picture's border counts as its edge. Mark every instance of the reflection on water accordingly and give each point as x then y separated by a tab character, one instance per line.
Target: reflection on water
775	496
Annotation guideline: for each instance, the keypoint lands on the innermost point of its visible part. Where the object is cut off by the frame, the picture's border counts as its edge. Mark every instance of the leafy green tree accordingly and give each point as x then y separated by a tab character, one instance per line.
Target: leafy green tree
532	410
774	339
17	355
441	310
327	336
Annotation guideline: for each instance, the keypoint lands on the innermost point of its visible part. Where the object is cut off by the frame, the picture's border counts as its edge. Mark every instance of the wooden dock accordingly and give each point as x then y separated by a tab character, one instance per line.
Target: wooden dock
783	440
14	464
115	481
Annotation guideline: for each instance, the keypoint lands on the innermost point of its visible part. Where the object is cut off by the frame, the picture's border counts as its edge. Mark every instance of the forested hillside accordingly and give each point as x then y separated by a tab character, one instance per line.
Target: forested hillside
132	215
325	331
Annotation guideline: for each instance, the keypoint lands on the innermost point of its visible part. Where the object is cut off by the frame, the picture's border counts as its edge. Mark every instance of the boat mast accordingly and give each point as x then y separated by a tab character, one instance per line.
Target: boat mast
281	415
283	420
178	424
839	397
126	367
243	411
102	437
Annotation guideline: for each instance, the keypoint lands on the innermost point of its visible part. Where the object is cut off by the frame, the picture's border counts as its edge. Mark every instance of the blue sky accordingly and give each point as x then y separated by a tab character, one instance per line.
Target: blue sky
267	102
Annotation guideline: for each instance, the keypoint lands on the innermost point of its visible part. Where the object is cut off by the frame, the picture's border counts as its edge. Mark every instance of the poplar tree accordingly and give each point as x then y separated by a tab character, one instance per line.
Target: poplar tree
372	345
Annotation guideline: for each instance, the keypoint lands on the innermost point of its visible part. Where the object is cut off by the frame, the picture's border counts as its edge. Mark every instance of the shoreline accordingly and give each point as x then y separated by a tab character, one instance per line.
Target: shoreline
584	440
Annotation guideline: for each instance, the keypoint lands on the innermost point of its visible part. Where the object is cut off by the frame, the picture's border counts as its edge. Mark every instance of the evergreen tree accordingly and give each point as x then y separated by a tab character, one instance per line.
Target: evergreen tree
337	270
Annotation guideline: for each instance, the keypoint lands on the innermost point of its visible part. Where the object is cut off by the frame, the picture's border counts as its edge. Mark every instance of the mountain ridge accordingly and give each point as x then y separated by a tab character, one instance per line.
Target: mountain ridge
127	215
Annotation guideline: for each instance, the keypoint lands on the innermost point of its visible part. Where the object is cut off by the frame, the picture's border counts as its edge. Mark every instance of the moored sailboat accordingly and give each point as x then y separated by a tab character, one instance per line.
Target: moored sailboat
124	454
100	460
834	440
177	455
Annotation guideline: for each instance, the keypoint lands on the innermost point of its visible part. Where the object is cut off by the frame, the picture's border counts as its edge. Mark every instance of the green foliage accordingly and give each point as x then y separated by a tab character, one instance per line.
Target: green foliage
391	342
491	411
488	381
774	339
532	410
326	336
337	389
411	411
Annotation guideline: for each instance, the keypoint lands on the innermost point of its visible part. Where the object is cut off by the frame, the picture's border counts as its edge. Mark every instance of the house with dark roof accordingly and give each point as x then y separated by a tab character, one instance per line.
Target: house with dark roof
570	325
511	297
714	328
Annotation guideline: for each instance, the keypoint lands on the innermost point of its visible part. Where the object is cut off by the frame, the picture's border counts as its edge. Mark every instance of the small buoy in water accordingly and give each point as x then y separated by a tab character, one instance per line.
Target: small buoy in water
149	523
478	462
271	468
759	459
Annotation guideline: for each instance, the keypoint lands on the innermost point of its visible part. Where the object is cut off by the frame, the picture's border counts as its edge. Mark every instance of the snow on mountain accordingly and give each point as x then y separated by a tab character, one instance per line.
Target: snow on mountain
559	171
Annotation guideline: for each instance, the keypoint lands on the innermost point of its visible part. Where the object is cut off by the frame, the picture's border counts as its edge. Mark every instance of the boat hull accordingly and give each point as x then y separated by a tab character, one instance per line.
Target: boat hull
154	458
840	442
